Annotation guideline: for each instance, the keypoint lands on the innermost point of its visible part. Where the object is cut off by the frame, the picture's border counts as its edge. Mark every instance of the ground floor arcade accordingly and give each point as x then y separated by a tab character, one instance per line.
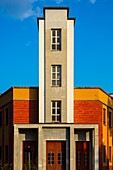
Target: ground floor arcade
56	147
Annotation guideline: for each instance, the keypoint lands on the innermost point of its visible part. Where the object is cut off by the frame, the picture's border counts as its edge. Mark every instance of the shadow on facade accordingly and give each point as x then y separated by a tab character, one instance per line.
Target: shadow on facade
34	106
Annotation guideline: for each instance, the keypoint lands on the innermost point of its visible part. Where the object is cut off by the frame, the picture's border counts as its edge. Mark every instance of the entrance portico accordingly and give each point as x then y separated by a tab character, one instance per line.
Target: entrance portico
69	136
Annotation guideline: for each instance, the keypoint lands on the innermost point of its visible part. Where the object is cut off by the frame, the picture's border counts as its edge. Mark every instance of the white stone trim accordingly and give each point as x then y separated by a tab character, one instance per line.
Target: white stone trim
41	71
70	70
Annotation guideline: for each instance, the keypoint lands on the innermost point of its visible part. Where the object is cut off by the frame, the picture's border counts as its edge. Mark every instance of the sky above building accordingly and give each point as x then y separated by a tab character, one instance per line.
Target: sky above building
93	41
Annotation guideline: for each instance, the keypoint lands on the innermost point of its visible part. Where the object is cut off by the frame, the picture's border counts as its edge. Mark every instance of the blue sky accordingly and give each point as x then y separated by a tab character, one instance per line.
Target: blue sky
93	42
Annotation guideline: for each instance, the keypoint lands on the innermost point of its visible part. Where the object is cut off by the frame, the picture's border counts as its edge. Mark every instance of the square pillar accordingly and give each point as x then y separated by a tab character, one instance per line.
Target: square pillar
40	148
72	149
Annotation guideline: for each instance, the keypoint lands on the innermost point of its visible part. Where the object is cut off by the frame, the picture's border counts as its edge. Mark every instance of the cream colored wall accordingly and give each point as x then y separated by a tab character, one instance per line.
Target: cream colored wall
56	19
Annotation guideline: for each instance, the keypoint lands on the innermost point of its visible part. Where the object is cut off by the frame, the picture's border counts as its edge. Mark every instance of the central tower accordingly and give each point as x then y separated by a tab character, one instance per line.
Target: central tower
56	60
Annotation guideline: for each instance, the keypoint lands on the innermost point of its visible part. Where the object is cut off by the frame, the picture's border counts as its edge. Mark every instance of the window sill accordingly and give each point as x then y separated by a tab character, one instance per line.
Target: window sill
55	50
56	122
55	86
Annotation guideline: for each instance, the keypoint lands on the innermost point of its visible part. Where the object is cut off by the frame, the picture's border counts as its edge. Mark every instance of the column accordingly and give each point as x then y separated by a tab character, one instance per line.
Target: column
72	149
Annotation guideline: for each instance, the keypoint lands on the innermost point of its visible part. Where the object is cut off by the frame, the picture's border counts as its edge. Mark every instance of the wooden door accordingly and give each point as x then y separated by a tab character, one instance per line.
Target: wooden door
29	155
55	155
82	155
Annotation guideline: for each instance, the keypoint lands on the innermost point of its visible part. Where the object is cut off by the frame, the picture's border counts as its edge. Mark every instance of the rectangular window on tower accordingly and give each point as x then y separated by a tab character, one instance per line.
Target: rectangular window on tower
56	111
56	39
56	75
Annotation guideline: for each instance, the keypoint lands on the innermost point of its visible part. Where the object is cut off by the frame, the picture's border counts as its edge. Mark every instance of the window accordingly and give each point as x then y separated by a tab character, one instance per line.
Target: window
110	154
0	153
0	119
56	75
104	153
104	116
6	117
110	120
56	39
56	111
51	158
6	153
61	160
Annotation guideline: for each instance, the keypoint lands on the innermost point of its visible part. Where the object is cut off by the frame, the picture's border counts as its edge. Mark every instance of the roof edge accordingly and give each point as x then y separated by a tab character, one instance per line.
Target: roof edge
56	8
97	87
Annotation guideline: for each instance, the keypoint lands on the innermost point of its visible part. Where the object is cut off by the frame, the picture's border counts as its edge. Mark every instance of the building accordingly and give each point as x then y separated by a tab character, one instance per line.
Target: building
95	106
56	126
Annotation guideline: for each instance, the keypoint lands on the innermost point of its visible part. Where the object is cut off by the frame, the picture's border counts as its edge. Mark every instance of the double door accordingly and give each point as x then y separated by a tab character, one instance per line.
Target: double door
56	155
29	155
82	155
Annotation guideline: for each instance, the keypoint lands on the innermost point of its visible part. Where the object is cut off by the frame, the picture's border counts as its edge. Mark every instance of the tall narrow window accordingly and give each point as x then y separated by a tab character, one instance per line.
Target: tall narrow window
56	111
6	153
0	119
0	153
56	39
104	116
56	75
110	154
110	119
6	117
104	153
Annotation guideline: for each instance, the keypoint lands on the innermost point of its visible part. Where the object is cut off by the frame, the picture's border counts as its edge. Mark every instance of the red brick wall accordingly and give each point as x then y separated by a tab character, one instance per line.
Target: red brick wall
25	111
87	112
90	112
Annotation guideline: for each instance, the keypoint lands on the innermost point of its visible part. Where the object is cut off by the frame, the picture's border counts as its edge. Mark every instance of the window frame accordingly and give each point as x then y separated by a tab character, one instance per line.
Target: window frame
104	116
56	117
51	158
54	39
56	75
0	153
110	119
6	153
6	116
104	154
1	121
110	153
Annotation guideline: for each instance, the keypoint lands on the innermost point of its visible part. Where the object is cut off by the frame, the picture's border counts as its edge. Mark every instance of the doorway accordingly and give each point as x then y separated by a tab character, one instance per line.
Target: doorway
82	155
56	155
29	155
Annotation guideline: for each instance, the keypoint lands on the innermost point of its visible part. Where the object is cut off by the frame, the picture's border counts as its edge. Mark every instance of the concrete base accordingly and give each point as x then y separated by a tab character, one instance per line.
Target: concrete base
54	132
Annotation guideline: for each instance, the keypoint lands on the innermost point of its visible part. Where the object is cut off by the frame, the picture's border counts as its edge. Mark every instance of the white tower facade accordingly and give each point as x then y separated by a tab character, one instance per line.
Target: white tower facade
56	71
